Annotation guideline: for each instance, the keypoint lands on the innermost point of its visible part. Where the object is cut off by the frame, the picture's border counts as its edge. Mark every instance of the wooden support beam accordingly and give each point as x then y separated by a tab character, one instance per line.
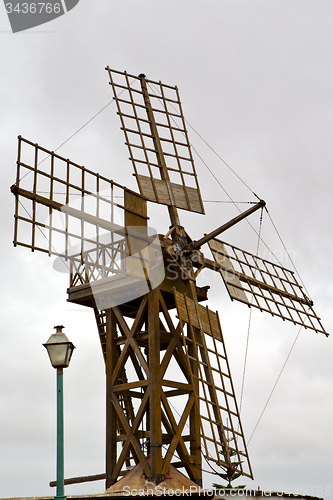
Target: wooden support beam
178	434
80	479
111	420
155	444
197	244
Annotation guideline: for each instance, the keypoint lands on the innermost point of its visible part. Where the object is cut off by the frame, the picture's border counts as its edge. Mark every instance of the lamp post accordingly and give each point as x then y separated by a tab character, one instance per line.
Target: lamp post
60	351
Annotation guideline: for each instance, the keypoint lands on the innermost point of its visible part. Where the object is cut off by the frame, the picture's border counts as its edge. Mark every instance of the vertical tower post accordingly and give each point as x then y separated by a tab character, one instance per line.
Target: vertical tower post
155	444
111	419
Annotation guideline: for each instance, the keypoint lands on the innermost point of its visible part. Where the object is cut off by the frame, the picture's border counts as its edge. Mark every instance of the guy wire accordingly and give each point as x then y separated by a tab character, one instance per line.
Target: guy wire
250	317
269	397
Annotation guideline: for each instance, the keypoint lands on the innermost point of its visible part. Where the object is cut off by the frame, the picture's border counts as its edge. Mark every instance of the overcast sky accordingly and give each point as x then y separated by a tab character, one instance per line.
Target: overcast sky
255	79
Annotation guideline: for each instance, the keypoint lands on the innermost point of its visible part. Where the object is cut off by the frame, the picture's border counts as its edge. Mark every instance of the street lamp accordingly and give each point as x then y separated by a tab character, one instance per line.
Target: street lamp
60	351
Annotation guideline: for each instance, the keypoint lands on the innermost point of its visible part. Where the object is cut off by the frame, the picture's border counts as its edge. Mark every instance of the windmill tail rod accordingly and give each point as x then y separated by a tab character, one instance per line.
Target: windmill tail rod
197	244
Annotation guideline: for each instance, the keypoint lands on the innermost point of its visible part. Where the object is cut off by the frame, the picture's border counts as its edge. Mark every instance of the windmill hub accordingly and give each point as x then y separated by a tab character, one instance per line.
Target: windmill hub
179	248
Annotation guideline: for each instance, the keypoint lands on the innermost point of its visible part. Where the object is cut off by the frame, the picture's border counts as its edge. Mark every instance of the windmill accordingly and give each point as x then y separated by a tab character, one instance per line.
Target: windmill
170	398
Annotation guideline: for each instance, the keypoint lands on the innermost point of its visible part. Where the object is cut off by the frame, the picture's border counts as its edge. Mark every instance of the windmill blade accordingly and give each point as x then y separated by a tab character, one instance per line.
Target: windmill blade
97	227
262	284
221	429
154	126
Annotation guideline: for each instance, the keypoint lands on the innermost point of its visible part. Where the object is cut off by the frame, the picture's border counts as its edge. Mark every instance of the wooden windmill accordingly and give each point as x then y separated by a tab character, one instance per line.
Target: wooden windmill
169	391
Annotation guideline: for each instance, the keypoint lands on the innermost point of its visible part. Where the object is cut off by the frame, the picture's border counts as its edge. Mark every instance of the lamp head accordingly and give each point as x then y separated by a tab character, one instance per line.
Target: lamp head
59	348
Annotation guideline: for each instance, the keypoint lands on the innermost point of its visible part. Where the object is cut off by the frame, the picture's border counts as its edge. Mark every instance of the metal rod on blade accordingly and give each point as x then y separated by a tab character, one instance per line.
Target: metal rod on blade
197	244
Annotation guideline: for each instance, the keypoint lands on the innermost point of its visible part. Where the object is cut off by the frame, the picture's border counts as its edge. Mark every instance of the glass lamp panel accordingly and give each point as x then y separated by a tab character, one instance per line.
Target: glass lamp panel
70	349
58	354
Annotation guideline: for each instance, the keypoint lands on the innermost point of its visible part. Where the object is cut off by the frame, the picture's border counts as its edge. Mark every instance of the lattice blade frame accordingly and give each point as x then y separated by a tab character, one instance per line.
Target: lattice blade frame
262	284
221	428
96	226
158	143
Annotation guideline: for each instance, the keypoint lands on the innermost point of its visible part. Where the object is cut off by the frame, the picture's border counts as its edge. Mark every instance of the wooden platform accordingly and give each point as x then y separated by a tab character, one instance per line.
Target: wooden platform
104	290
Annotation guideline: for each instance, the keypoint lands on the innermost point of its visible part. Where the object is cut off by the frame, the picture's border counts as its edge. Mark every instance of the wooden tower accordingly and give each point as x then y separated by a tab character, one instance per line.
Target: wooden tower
169	392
